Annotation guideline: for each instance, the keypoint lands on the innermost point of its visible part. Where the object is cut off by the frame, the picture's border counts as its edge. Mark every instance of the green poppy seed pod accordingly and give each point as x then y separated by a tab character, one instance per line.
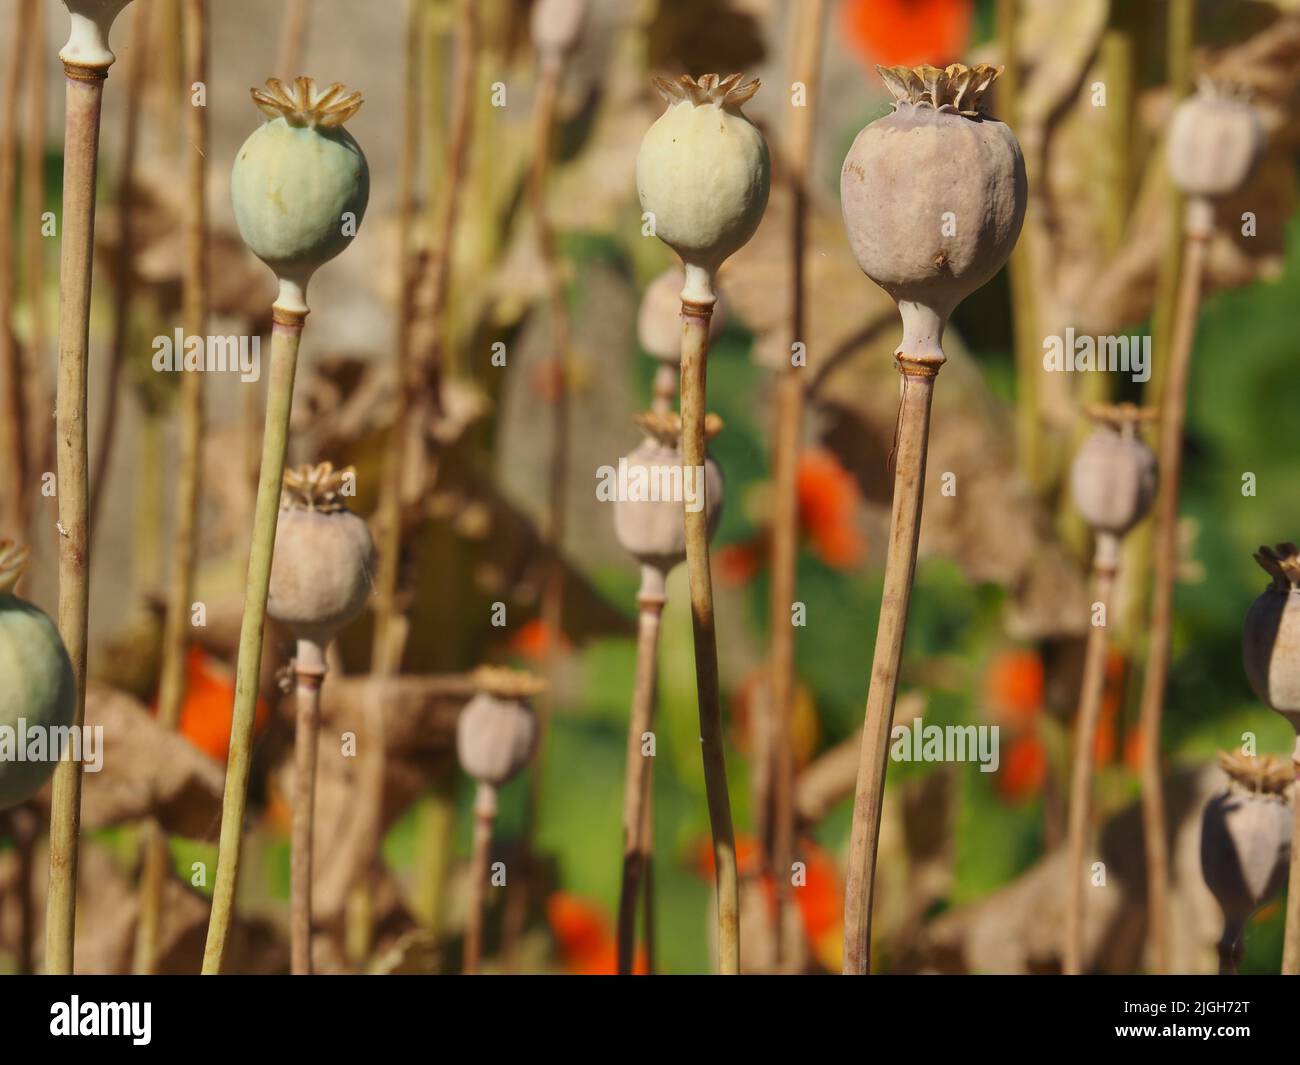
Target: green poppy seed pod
1246	835
555	26
1215	141
650	522
659	319
933	196
1113	478
1270	638
300	183
39	692
88	35
324	557
702	174
497	731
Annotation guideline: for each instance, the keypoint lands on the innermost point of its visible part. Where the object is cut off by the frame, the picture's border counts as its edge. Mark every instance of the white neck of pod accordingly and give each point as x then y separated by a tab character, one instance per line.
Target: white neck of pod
88	35
699	285
922	332
293	295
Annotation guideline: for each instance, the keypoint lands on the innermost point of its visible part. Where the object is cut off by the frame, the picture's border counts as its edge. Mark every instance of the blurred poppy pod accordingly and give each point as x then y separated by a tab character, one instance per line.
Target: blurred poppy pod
659	320
555	26
324	556
1270	639
703	170
39	693
497	731
1246	841
300	184
1113	477
933	195
649	520
1215	140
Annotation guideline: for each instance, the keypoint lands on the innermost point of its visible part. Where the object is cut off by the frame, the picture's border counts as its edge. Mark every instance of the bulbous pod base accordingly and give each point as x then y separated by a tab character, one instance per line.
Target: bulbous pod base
321	573
933	202
1270	637
38	695
495	737
1113	480
1245	849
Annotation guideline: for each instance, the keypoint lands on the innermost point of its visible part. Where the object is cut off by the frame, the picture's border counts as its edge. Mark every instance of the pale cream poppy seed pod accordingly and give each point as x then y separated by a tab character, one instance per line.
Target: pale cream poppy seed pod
653	531
1113	477
933	195
324	557
497	731
659	319
703	172
1270	638
1215	141
1246	835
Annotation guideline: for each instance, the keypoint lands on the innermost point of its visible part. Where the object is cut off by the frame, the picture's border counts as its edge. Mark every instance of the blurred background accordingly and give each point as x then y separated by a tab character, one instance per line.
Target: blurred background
971	866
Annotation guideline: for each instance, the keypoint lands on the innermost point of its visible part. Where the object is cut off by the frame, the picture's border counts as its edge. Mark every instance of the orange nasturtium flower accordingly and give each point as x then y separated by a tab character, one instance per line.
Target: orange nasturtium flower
1014	686
828	509
906	32
209	698
1023	770
584	937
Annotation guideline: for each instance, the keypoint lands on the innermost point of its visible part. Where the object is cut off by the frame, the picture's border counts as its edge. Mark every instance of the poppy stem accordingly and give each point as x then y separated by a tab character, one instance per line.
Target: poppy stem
697	309
1291	940
1165	554
638	782
309	671
485	812
1104	565
913	434
288	315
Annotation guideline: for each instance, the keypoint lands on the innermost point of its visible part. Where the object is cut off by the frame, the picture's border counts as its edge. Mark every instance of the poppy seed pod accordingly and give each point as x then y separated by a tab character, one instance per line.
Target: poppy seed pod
1246	835
555	26
650	523
703	172
497	730
1270	638
39	690
88	37
659	320
300	183
1113	477
933	196
321	572
1215	140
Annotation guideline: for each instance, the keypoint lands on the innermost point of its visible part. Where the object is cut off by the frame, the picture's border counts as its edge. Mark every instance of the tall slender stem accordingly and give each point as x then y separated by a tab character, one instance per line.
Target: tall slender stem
293	36
809	21
84	90
697	310
1291	942
286	333
1172	416
180	586
485	812
309	671
913	434
1085	735
40	440
638	783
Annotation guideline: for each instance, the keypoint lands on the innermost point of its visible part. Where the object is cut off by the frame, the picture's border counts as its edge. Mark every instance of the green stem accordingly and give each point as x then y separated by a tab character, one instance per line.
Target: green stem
309	670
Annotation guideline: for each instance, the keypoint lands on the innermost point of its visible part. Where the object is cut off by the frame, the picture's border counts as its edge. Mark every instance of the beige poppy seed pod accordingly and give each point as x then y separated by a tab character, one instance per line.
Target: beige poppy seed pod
497	730
702	173
1246	841
324	556
1215	141
933	196
1270	638
1113	477
659	319
555	26
653	530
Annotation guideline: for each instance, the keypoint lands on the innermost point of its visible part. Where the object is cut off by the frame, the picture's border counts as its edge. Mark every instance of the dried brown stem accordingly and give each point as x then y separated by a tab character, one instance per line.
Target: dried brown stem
1291	941
309	671
1173	415
695	356
1085	735
913	434
40	440
293	38
638	783
485	812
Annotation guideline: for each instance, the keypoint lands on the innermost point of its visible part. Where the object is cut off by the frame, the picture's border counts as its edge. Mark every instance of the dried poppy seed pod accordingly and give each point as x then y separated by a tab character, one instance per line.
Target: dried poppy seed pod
555	26
39	690
88	35
933	196
300	183
1270	638
659	319
703	173
653	530
497	731
1246	841
1113	478
1215	141
321	572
